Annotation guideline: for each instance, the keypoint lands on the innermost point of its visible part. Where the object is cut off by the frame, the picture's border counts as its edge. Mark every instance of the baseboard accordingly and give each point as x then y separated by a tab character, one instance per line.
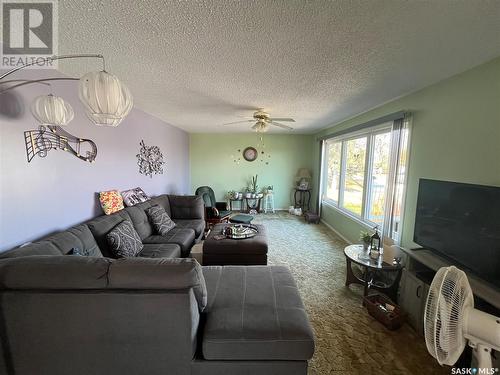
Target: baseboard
335	231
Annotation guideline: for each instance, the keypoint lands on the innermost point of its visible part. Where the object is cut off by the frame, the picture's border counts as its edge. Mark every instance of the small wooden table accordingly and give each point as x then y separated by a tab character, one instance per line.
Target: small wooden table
371	267
302	198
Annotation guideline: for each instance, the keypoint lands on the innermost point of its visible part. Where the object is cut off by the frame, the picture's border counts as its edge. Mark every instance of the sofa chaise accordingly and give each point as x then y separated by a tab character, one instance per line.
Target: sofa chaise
78	315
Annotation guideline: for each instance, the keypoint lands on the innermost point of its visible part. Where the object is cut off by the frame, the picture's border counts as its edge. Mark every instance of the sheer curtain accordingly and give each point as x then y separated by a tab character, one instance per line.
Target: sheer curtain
396	187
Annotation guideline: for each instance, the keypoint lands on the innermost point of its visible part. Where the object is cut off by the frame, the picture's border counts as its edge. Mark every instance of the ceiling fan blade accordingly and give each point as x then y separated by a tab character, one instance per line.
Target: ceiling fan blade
238	122
280	125
255	126
282	119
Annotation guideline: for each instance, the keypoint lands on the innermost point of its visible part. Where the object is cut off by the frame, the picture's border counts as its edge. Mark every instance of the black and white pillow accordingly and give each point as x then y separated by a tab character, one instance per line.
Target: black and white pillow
162	223
134	196
124	240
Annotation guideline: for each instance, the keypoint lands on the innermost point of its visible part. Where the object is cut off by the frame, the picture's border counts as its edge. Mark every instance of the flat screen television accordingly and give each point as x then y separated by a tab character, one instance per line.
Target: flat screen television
462	223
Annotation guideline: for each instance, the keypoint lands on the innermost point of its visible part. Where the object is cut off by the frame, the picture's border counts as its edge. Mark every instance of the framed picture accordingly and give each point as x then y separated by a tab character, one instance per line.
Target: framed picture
250	154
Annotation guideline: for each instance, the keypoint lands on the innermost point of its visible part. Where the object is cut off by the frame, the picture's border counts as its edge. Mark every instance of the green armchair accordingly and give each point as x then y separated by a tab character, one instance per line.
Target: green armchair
214	211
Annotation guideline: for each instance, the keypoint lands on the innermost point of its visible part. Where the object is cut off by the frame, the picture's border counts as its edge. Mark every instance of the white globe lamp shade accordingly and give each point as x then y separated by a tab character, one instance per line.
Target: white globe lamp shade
107	101
260	127
52	110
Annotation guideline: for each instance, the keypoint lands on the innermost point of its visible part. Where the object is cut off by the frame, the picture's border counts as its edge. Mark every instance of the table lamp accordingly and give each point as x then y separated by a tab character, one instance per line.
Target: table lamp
304	174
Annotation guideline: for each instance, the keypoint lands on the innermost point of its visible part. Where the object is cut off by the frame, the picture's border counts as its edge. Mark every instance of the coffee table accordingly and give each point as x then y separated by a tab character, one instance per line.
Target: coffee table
227	251
371	269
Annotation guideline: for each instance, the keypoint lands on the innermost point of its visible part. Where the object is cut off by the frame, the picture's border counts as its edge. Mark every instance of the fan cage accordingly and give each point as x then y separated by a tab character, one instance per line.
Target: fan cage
449	297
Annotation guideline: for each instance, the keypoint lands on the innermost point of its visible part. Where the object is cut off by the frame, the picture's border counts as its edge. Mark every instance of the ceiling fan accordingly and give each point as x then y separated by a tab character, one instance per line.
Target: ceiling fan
262	121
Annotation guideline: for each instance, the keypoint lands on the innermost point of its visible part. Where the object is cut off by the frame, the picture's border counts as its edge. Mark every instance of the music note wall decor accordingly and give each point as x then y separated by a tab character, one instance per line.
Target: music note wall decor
40	142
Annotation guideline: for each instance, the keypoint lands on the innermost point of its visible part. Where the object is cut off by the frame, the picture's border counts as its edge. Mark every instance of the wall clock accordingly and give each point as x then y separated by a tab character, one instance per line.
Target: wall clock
250	154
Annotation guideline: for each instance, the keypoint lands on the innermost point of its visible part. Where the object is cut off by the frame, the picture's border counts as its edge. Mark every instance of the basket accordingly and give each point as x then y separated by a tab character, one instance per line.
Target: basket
391	319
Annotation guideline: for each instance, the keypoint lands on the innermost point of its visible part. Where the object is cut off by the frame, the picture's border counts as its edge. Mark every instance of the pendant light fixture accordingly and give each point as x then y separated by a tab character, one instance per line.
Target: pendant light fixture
52	110
107	101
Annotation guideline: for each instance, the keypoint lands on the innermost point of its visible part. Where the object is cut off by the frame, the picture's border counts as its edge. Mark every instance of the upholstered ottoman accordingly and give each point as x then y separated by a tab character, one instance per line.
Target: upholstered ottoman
226	251
253	314
311	217
241	219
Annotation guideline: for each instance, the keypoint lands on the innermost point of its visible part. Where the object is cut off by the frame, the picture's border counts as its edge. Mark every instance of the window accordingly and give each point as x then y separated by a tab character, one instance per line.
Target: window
353	187
364	175
379	176
333	173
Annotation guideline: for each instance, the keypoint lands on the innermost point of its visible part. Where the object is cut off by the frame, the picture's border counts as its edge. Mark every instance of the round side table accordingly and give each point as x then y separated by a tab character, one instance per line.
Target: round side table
371	267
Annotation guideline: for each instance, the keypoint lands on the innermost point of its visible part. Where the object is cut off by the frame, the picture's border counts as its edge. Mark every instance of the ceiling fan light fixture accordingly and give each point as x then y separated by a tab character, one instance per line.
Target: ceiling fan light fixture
106	99
261	127
52	110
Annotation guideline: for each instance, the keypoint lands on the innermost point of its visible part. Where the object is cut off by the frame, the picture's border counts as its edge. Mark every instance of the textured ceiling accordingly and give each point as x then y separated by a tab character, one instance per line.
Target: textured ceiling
198	64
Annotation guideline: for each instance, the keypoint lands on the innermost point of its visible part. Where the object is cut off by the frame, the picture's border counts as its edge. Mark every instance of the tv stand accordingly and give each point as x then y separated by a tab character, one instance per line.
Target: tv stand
418	248
423	259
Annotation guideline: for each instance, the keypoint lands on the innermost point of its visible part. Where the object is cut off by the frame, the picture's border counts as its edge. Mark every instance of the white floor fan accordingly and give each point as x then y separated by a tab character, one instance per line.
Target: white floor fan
451	321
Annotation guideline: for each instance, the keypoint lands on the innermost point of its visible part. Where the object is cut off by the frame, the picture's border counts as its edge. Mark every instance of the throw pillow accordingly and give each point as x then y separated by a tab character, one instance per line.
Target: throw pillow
76	251
85	253
162	223
133	196
111	201
124	240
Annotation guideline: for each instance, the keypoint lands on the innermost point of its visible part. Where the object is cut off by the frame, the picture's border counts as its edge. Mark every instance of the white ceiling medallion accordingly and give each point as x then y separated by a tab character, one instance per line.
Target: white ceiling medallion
107	101
52	110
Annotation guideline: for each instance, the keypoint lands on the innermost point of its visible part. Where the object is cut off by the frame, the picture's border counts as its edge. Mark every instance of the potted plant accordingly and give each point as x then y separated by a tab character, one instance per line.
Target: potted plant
231	194
253	184
248	192
252	187
365	238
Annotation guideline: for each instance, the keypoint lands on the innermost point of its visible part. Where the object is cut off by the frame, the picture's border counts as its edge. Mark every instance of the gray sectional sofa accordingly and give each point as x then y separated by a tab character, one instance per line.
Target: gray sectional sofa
186	211
152	314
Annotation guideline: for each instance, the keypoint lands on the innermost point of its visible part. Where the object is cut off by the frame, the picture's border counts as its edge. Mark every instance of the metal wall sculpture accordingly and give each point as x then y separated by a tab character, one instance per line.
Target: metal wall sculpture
40	142
150	160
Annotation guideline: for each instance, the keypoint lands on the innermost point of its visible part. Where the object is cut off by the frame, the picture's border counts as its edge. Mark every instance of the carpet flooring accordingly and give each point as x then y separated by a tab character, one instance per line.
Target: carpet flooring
348	340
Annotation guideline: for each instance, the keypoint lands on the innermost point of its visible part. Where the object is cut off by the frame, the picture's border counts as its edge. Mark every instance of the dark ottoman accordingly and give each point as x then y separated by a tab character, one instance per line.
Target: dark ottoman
248	251
241	219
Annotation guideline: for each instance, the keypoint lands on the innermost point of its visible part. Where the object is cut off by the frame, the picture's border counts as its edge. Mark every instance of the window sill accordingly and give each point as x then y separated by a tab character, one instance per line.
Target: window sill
347	214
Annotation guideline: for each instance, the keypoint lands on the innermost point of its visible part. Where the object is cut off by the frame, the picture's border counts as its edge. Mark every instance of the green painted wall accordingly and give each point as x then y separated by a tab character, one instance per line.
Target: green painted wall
455	136
212	162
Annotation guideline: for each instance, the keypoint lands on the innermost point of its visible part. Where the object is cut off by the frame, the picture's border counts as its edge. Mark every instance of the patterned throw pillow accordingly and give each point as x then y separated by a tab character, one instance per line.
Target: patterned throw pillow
111	201
133	196
162	223
124	240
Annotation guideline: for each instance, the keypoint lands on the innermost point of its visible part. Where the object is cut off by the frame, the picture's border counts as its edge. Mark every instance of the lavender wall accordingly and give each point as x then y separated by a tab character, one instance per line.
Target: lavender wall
53	193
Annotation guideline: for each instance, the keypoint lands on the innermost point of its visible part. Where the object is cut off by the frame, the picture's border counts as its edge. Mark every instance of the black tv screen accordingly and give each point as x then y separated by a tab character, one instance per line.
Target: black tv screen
461	222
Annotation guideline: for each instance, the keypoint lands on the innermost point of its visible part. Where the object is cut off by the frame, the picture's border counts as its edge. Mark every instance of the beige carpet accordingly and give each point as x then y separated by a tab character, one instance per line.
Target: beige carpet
348	340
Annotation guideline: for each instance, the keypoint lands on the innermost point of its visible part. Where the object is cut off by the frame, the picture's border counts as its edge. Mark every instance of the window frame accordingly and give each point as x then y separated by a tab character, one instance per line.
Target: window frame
370	134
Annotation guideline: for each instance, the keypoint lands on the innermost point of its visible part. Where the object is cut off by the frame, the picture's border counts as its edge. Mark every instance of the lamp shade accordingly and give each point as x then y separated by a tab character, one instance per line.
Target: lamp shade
107	101
260	127
52	110
304	173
